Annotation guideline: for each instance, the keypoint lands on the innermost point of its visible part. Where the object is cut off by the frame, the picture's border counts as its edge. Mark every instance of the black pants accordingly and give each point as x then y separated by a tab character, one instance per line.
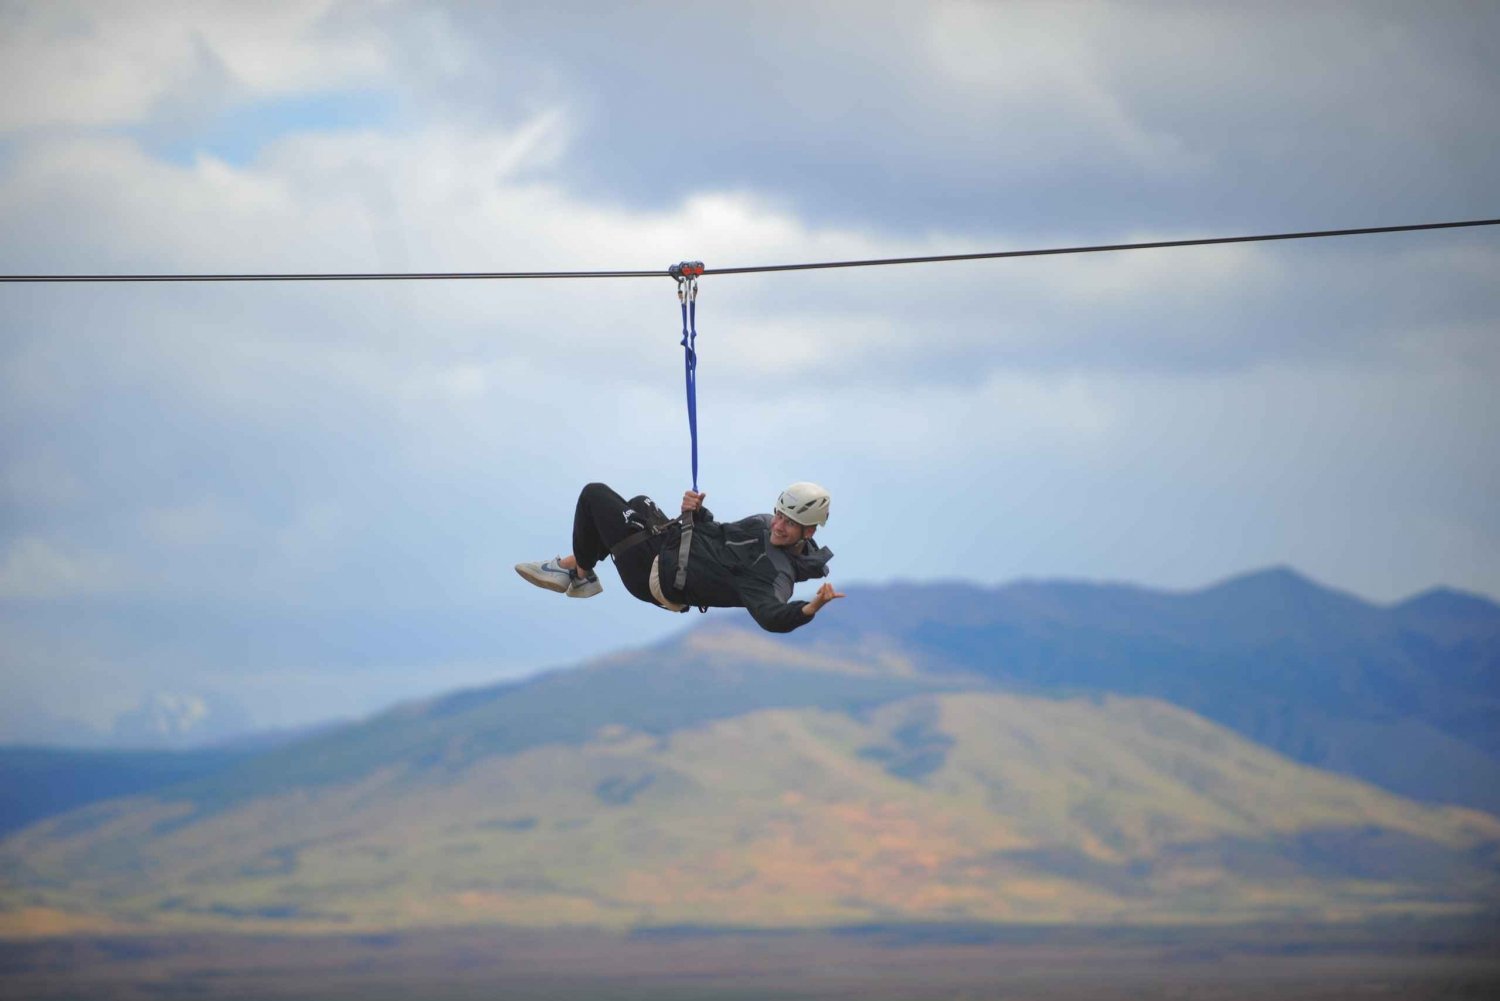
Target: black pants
599	523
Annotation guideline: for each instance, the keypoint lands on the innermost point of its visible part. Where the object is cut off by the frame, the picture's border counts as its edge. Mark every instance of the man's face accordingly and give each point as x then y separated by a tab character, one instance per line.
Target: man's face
786	532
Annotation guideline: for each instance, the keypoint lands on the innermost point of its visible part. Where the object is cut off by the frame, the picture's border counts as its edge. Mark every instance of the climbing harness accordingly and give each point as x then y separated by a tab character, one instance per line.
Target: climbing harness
649	520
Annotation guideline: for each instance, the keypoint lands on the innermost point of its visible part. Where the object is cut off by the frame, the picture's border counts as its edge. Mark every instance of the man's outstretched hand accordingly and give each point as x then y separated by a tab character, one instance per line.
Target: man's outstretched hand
692	501
825	594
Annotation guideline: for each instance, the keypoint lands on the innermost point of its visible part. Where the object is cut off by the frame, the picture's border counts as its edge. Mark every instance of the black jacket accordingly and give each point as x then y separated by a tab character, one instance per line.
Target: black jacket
733	565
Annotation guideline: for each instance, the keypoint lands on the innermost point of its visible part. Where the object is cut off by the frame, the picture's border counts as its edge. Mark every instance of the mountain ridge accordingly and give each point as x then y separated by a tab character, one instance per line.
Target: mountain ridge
920	754
1437	619
1312	672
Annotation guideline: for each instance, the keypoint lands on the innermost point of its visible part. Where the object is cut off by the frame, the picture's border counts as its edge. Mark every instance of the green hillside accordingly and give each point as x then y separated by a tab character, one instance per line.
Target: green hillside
925	806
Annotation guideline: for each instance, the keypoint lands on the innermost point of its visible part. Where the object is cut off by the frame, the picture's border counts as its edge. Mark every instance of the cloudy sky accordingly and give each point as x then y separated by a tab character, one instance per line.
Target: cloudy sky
301	501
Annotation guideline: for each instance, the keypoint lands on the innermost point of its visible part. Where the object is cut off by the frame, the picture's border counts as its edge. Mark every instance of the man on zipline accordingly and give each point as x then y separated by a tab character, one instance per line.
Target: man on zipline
694	560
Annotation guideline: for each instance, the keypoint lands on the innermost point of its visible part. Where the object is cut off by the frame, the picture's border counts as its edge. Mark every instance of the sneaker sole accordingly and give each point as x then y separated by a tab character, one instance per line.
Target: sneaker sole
586	591
540	579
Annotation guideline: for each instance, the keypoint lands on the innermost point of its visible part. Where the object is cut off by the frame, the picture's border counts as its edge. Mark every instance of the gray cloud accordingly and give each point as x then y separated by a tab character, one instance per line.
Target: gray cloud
1042	118
307	499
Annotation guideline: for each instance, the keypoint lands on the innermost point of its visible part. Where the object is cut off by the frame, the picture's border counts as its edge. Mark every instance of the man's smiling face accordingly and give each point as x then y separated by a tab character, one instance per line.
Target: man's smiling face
786	532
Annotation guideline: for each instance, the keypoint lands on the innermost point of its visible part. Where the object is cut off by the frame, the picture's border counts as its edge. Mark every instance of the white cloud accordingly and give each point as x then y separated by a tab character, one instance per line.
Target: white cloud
1038	71
32	568
89	64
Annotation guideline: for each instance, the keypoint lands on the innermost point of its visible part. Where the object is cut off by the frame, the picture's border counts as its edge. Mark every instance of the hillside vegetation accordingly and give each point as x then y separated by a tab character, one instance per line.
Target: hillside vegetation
983	807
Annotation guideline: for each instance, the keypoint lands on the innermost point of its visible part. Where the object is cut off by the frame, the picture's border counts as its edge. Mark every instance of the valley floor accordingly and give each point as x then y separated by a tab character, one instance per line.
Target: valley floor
1410	961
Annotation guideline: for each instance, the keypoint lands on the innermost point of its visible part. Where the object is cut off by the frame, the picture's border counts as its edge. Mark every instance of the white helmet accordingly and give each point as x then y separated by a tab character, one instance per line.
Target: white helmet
804	503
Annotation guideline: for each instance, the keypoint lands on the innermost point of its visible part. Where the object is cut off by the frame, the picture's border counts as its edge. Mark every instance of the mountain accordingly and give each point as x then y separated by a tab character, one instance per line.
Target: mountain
1407	697
972	807
38	782
1404	696
934	753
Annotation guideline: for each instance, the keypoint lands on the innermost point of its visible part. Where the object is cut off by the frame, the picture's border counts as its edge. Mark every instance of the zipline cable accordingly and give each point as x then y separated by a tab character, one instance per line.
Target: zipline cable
1106	248
937	259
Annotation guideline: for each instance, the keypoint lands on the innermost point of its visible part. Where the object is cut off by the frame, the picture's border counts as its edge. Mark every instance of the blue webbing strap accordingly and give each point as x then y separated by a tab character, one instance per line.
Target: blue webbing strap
687	294
687	274
690	371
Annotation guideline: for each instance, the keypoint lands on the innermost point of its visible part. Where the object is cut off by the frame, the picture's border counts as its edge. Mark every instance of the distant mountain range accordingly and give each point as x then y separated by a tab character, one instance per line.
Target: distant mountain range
1406	696
1040	752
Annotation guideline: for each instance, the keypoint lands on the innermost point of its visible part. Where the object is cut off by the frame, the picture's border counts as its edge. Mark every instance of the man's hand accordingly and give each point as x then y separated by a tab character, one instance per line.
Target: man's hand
825	594
692	501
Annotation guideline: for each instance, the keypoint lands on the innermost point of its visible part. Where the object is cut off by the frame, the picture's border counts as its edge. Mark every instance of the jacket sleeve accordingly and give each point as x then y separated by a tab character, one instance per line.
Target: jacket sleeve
770	612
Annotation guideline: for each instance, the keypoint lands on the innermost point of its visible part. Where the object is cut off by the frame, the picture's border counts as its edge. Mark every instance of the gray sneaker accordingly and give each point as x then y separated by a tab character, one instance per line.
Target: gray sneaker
584	586
546	574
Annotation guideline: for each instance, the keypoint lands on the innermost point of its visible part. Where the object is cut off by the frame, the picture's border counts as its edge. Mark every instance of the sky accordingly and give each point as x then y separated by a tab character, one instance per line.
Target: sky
252	506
